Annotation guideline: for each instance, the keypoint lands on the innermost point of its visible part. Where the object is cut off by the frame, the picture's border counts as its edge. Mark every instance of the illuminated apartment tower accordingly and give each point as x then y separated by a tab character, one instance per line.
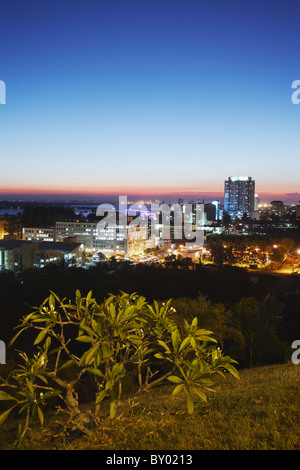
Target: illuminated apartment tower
239	195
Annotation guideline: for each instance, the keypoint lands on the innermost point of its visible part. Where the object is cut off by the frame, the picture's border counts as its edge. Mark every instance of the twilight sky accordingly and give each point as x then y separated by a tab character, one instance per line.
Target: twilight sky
149	97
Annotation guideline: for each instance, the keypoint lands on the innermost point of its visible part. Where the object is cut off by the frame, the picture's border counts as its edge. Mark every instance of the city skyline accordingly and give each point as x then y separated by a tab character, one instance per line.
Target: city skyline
89	196
152	99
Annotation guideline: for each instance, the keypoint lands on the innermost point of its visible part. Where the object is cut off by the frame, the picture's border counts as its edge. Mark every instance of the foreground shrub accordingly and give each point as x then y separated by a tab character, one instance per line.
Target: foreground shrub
84	340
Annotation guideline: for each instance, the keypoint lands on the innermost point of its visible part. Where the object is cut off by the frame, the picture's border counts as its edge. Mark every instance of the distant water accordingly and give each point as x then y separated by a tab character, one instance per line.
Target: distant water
10	211
84	213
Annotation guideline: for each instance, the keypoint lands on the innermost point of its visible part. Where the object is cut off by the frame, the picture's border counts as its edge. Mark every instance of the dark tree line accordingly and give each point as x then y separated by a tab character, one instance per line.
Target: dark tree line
254	324
46	216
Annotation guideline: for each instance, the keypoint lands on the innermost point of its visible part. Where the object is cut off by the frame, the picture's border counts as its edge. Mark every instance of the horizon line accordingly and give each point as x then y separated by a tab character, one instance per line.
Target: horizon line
292	198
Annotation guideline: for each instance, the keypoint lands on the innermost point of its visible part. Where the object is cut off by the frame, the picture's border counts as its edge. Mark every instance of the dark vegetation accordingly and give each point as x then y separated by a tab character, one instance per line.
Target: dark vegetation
41	216
256	316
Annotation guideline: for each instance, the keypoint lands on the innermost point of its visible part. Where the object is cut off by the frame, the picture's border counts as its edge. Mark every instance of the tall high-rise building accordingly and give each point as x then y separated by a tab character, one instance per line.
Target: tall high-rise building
239	195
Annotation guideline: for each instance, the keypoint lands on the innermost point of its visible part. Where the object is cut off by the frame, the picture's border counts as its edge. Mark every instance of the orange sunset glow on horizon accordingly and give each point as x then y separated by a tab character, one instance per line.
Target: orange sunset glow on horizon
136	192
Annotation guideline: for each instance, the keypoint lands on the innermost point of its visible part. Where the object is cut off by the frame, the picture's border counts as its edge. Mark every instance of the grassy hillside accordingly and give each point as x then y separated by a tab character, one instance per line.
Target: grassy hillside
260	412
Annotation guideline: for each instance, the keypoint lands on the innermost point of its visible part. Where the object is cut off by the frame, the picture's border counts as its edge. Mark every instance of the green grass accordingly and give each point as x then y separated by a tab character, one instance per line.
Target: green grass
259	412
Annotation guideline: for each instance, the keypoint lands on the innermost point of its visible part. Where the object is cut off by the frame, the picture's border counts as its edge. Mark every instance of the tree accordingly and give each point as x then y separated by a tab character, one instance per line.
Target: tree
257	322
13	225
104	342
218	254
226	219
210	316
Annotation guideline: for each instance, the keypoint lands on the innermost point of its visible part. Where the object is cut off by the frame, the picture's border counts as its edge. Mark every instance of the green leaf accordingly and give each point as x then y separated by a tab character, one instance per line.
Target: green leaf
200	393
42	378
30	386
175	339
164	345
112	409
47	343
159	356
78	294
94	371
51	394
68	363
174	379
87	329
117	368
16	336
55	296
100	396
44	317
41	415
112	311
113	404
51	301
84	339
23	408
90	355
96	327
33	409
232	370
184	343
6	396
178	389
105	351
41	335
4	415
190	403
205	336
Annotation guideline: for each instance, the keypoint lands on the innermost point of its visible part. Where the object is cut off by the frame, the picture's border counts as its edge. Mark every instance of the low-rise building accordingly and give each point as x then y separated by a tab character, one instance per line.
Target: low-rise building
111	239
17	255
39	233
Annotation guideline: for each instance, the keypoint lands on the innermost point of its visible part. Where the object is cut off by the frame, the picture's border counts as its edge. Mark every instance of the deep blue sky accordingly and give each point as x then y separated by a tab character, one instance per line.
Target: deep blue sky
149	96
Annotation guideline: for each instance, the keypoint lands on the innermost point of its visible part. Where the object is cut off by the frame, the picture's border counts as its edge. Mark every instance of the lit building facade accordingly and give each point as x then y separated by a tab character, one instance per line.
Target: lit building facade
38	233
277	208
111	239
239	196
17	255
84	232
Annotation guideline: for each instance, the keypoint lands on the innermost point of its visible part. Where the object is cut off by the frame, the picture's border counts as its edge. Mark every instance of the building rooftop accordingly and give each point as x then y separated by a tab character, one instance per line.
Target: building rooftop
41	245
39	228
12	244
58	246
